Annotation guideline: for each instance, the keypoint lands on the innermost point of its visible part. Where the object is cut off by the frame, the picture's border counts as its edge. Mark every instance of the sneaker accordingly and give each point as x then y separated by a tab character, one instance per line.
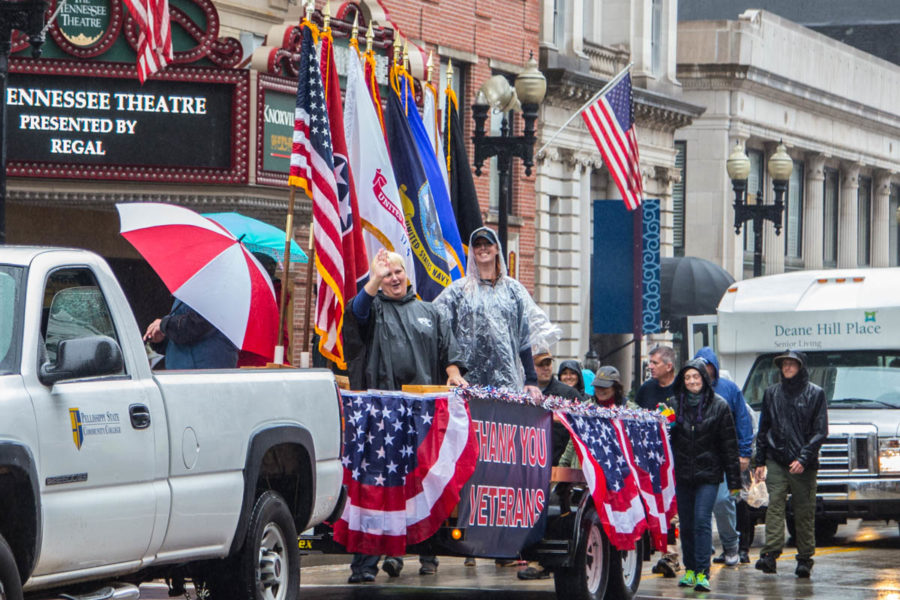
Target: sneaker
392	566
688	579
533	573
720	559
361	578
744	557
731	559
766	563
804	568
665	567
428	568
702	583
470	561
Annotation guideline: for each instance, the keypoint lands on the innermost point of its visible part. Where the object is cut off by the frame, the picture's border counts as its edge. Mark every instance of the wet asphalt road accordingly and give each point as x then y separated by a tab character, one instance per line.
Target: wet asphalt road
863	562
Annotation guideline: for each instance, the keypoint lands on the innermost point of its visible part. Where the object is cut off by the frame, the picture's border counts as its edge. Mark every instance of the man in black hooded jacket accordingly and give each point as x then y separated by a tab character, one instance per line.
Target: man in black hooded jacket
792	426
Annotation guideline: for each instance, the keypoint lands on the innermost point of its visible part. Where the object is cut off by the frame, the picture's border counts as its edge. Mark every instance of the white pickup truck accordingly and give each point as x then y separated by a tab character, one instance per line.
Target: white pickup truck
111	474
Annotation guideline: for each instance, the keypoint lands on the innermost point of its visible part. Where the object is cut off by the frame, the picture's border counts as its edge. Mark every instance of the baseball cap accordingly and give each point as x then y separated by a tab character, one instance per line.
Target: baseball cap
800	357
484	234
540	355
606	377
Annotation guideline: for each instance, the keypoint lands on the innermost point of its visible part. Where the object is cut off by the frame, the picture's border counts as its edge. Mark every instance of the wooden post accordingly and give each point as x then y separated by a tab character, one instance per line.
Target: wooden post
309	287
288	236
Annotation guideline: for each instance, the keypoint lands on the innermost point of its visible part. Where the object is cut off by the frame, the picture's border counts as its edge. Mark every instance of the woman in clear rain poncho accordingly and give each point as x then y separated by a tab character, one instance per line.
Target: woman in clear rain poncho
495	320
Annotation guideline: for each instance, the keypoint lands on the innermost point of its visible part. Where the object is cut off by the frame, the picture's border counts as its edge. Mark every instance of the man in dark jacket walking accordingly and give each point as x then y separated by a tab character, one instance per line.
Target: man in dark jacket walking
792	426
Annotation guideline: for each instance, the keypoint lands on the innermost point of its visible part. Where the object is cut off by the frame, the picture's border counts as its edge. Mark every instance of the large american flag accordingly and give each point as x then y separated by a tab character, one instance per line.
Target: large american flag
650	457
154	49
312	168
405	460
612	482
611	122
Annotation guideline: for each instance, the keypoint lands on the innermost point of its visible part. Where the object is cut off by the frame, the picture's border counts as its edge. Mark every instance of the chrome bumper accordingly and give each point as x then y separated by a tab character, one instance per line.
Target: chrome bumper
859	489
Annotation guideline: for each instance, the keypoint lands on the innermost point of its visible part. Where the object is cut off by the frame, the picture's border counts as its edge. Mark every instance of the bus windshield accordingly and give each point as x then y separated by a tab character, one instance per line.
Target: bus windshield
850	378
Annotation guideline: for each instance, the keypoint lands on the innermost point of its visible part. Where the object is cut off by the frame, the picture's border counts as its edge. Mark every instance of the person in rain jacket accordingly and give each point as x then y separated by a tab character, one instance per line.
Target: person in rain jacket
406	340
495	320
704	445
193	342
571	374
793	424
725	510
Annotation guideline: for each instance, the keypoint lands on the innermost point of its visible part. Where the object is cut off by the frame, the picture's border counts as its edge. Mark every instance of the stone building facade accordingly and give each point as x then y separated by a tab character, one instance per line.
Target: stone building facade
834	106
584	44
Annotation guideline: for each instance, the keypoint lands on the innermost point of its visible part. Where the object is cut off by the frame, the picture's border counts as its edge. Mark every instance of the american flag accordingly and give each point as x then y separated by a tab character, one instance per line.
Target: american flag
405	460
611	122
611	480
154	49
312	168
650	456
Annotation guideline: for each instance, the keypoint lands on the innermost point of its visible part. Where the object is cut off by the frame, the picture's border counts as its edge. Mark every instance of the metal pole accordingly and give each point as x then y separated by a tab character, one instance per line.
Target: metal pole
757	240
504	169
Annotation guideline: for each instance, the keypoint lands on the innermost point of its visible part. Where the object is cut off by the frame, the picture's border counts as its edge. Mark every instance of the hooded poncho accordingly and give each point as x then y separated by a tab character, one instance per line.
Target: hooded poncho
493	322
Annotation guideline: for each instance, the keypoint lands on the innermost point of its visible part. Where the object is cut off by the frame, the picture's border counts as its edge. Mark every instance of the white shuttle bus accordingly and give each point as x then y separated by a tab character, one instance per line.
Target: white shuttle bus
848	324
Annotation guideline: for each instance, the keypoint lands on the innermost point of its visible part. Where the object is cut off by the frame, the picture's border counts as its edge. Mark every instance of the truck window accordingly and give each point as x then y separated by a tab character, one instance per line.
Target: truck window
10	318
74	307
850	378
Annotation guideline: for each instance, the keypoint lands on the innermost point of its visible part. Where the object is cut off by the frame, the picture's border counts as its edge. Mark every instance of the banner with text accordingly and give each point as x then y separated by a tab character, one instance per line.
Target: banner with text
503	507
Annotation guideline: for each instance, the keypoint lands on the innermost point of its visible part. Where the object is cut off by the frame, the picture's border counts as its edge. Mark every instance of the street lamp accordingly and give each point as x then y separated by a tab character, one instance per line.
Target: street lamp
28	17
497	94
738	167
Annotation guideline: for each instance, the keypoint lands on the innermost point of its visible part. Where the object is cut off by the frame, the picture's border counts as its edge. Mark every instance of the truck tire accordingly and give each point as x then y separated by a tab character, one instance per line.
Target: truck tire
268	565
586	579
625	572
10	584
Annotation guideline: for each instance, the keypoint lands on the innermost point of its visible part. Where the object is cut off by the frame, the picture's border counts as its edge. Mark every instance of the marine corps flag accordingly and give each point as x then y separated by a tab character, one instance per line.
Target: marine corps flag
463	198
422	224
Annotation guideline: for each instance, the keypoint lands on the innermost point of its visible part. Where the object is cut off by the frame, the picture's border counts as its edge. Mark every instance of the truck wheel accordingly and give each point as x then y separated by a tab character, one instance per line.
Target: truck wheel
625	572
268	565
587	577
10	584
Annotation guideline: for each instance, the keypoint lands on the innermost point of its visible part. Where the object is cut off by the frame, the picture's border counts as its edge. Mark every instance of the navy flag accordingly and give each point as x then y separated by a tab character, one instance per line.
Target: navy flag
422	223
463	198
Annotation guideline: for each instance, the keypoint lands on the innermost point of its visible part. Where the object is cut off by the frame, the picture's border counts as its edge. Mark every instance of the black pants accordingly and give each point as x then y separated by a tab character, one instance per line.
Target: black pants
744	526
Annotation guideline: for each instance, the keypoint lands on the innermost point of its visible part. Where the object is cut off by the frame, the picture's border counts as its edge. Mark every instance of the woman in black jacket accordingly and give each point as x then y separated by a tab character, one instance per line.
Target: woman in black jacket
704	444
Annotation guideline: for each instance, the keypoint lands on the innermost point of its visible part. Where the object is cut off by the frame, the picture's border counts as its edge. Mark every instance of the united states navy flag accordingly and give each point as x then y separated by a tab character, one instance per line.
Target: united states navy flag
422	221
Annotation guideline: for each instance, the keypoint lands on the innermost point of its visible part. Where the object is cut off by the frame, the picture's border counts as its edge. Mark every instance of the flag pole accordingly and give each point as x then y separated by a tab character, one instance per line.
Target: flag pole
309	287
288	235
602	91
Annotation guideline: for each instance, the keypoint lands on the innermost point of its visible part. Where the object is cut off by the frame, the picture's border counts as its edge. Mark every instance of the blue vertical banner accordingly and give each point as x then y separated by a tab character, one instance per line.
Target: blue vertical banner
613	267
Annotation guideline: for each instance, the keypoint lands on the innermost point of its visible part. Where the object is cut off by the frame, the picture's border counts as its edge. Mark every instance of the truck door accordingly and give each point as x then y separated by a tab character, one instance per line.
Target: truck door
96	451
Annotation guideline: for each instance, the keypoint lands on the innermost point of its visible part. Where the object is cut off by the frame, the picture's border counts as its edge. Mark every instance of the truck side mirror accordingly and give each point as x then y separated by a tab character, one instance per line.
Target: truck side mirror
90	356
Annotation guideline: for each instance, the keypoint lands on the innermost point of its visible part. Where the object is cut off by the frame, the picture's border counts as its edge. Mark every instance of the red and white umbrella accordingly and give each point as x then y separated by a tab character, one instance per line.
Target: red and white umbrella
208	269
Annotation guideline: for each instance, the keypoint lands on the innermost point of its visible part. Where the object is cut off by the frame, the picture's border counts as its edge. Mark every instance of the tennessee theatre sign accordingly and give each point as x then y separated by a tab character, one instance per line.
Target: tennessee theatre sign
81	112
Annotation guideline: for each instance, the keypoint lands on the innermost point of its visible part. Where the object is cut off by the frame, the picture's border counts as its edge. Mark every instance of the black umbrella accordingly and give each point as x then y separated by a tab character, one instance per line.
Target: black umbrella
690	286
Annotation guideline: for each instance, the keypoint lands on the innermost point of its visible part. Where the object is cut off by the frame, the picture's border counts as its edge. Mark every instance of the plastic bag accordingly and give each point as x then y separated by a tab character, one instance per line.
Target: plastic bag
758	495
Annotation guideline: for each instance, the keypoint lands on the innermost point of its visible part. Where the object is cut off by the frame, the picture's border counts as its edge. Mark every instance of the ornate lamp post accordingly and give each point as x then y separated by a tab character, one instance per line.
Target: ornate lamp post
738	167
28	17
497	94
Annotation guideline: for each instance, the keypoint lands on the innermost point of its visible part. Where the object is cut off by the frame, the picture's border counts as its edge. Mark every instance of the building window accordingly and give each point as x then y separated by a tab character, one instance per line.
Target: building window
656	41
894	228
560	10
830	220
864	222
678	199
793	214
587	22
755	184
